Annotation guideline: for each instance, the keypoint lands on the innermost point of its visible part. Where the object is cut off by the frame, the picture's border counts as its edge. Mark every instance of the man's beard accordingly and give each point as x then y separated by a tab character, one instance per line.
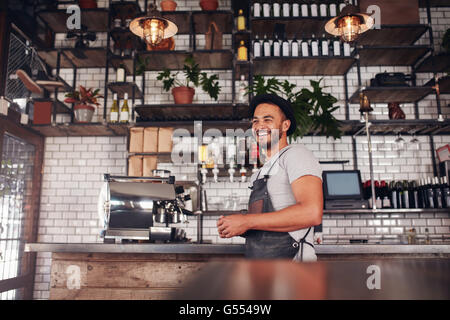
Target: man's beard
268	144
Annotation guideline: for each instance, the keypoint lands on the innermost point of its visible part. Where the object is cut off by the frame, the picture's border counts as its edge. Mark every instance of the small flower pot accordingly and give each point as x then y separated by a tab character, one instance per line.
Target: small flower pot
83	113
87	4
183	95
209	5
168	5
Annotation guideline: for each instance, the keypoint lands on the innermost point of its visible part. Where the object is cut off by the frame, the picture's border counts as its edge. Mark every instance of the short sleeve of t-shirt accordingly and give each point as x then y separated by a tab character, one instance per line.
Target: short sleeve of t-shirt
299	162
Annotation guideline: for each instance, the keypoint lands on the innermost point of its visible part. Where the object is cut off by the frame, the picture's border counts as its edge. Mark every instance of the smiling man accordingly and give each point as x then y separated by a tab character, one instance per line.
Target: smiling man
286	199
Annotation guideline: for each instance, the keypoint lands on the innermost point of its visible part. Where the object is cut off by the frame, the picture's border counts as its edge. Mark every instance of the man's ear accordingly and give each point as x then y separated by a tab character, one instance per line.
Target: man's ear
285	125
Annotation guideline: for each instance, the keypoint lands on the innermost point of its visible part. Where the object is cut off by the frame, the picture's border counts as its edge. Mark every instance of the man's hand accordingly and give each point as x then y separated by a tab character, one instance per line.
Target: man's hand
231	226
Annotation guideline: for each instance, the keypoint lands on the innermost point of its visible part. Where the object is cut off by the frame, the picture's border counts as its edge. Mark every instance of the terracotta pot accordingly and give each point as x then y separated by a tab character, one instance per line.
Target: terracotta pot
183	95
168	5
83	113
395	112
87	4
209	5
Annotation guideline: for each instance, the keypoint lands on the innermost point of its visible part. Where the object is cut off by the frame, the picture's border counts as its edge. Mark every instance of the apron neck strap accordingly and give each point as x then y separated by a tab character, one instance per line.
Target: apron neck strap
278	157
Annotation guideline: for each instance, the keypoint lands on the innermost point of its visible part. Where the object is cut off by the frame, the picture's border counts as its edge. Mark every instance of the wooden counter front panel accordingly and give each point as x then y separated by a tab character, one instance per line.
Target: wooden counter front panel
123	276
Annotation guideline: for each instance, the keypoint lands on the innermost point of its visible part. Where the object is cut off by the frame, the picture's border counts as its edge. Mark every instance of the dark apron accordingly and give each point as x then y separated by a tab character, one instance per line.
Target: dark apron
261	244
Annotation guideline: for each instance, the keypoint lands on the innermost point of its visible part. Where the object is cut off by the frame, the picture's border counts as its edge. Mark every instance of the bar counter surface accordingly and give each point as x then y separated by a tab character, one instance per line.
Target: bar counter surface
160	271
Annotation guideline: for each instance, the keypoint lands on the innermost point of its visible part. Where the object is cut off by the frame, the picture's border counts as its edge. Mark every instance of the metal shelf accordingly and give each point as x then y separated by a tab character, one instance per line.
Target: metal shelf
125	87
70	57
393	94
191	112
81	129
393	35
434	3
302	66
436	63
391	55
96	20
174	60
381	211
299	27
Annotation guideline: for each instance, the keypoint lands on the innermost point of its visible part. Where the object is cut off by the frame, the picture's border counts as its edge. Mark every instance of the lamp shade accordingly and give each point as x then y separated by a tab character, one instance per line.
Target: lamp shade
153	28
349	24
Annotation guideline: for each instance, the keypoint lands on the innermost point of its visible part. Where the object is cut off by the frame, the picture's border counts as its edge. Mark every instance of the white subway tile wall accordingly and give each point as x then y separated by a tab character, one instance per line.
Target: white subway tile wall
73	166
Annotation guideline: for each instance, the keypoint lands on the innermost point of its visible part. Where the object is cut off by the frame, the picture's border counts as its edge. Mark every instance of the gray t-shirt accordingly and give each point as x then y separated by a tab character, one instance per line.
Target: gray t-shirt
294	163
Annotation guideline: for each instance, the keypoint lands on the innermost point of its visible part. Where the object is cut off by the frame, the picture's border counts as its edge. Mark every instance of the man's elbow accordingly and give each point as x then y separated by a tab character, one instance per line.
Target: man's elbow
317	214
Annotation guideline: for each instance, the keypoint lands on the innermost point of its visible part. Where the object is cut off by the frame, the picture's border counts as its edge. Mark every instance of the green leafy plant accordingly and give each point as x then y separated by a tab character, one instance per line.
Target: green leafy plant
193	78
84	96
141	63
313	109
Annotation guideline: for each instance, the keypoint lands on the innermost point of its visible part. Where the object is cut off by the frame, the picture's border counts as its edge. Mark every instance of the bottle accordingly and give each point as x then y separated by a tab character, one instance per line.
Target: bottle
324	46
285	48
414	196
405	195
429	194
242	98
323	10
124	111
120	73
394	202
266	9
304	10
294	47
347	51
286	9
114	113
446	193
420	195
266	47
276	47
276	9
437	193
314	46
427	236
295	10
241	21
305	48
314	10
257	9
336	48
242	51
256	47
378	203
333	10
399	188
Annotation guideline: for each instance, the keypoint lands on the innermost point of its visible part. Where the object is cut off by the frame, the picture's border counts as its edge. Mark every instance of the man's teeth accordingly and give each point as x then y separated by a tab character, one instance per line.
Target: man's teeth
262	133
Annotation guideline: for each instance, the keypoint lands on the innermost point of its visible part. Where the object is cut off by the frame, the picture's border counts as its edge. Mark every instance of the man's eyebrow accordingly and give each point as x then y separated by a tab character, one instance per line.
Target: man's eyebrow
264	117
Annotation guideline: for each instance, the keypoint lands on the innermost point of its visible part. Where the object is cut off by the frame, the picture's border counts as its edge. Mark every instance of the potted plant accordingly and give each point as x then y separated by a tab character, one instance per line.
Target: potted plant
313	109
183	92
83	100
168	5
209	5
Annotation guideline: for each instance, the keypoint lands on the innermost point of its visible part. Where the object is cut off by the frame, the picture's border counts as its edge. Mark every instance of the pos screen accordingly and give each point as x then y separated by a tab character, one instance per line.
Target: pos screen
342	185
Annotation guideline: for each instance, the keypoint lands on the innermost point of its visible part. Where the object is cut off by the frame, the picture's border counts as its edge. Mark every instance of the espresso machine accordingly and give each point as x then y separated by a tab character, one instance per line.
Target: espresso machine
142	208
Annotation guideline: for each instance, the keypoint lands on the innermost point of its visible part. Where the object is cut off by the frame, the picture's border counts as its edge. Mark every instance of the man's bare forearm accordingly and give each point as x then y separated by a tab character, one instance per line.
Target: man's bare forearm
295	217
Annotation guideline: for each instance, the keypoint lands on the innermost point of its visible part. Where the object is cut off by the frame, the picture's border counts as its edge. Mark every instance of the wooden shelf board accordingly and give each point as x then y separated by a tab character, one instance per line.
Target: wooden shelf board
294	27
125	87
191	112
96	20
174	60
434	3
94	57
223	19
122	35
127	61
125	6
391	56
392	35
81	129
180	18
306	66
393	94
393	127
221	125
437	63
